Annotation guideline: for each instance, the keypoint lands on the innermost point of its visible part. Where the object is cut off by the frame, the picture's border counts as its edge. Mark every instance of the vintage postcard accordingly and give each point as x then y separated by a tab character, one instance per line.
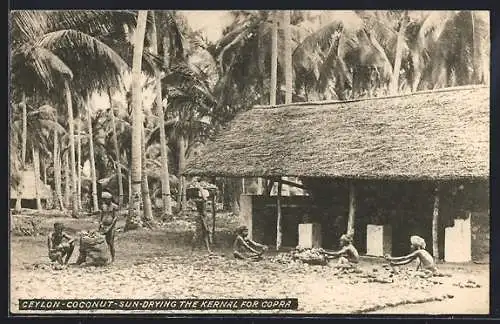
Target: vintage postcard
246	162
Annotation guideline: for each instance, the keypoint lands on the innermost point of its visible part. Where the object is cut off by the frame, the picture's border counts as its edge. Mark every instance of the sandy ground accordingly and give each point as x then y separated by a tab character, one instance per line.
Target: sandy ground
472	301
159	264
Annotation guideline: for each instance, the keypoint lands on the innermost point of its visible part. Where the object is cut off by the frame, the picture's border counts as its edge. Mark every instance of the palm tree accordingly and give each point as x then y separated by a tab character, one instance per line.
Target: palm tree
42	122
146	197
67	184
173	33
394	83
343	52
57	171
39	38
79	160
36	168
189	101
34	68
118	165
449	48
274	60
288	70
134	218
93	174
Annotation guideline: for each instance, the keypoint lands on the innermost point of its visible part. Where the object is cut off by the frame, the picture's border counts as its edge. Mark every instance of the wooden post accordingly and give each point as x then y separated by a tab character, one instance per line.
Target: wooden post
278	222
269	187
352	208
259	186
435	223
214	212
243	185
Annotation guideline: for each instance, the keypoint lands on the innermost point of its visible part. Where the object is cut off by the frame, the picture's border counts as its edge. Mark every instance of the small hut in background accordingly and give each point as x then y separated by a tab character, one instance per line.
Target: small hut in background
383	168
27	188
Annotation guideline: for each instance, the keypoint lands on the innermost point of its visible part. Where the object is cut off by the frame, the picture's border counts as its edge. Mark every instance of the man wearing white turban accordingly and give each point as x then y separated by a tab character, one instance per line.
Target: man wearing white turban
417	242
426	261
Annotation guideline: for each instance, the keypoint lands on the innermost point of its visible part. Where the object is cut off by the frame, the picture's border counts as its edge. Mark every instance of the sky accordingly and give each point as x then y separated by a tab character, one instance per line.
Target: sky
211	23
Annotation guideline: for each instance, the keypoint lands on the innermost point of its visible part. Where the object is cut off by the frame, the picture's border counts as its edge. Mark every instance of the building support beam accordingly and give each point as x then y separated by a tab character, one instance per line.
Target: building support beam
279	234
292	184
435	225
352	208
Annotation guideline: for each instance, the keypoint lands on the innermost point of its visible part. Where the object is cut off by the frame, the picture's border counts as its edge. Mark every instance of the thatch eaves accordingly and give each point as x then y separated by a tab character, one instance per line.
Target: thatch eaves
440	134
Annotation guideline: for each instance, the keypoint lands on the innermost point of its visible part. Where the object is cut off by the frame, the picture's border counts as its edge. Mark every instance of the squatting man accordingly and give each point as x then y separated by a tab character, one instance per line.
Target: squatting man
426	266
61	245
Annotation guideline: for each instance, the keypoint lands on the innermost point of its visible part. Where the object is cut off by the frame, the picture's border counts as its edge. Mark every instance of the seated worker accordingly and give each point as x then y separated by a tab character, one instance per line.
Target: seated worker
245	248
426	261
348	255
108	220
58	248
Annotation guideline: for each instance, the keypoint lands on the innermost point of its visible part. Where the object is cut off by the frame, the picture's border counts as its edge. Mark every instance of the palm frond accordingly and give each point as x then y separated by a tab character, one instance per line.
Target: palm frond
34	67
171	31
27	25
92	22
83	45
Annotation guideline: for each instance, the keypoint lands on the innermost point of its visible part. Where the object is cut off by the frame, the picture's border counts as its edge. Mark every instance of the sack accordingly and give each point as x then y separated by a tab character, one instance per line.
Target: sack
93	246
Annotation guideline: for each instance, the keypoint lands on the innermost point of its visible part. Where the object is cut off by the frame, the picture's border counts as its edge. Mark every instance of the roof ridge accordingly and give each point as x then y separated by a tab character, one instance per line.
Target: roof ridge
330	102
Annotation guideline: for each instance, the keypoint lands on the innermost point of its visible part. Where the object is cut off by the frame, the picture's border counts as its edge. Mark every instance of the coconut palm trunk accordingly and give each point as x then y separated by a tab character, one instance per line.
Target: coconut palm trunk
44	172
288	57
79	161
24	134
69	100
95	201
134	217
57	172
36	169
24	139
129	177
394	83
165	175
117	152
181	141
146	196
274	60
67	186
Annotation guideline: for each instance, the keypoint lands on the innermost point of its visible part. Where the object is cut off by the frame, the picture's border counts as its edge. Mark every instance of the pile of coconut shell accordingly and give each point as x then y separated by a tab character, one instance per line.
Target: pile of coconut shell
308	256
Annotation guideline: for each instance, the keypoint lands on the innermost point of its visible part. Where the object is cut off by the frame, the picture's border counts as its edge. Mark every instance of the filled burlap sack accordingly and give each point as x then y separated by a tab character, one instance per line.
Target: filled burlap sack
93	249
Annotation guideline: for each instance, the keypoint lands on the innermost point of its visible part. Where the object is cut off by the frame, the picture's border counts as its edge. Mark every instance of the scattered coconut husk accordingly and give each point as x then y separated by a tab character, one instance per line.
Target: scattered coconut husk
306	256
25	225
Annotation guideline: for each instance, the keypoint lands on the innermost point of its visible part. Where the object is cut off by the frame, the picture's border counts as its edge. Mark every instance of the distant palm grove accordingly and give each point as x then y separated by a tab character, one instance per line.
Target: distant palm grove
61	60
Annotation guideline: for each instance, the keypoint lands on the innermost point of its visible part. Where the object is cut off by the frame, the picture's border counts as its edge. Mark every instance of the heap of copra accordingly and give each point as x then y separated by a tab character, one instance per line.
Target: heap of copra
312	256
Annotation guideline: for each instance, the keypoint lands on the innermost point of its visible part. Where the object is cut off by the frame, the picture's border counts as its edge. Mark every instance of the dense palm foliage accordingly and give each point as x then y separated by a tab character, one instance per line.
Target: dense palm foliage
198	86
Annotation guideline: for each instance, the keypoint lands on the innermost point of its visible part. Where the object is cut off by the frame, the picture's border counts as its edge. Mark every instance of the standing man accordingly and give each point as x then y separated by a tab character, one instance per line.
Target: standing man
107	223
202	228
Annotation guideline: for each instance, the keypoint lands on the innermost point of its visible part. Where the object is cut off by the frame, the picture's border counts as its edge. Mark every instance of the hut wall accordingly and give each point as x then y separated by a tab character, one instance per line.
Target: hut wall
480	236
264	218
476	199
405	205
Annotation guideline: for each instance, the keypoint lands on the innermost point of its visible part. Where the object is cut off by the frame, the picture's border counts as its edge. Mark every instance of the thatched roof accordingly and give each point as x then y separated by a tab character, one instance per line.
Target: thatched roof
27	187
426	135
